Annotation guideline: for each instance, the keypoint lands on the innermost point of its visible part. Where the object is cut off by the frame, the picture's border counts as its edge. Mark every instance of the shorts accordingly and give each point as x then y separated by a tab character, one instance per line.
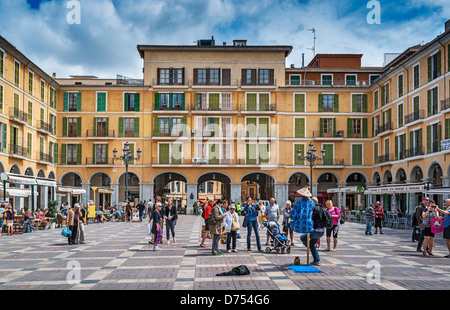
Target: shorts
378	222
427	232
333	230
1	223
207	227
447	232
9	223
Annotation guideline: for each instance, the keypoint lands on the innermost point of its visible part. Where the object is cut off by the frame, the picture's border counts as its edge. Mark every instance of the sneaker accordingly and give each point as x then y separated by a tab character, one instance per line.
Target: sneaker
155	248
229	251
217	254
168	242
316	263
234	250
174	240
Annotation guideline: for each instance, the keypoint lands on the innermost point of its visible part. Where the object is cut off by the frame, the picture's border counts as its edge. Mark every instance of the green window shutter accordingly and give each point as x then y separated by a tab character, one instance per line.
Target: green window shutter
356	154
170	126
375	99
264	102
428	139
439	136
214	154
400	85
416	77
386	146
78	101
94	158
373	126
349	127
126	103
79	148
300	127
320	103
4	137
263	127
107	153
251	127
63	154
251	154
263	153
29	144
375	153
30	113
136	126
429	69
364	103
383	96
404	145
183	102
157	101
329	156
196	104
121	127
389	116
66	102
137	102
297	147
214	102
131	147
321	127
387	94
299	102
107	126
171	101
396	148
1	93
64	134
411	139
184	126
435	101
364	128
420	137
400	115
95	127
354	102
42	115
177	153
447	129
55	153
156	126
78	126
294	80
164	153
101	102
251	102
429	103
416	104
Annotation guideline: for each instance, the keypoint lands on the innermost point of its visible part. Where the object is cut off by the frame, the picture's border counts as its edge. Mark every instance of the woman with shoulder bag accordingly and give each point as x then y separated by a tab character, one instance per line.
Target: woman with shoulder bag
231	223
428	213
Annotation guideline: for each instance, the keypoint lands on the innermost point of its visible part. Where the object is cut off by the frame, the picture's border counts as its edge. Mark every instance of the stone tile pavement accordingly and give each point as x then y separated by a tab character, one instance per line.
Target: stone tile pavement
117	256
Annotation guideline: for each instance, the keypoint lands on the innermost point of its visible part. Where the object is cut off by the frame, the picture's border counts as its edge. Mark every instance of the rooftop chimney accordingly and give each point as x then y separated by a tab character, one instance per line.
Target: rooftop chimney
447	25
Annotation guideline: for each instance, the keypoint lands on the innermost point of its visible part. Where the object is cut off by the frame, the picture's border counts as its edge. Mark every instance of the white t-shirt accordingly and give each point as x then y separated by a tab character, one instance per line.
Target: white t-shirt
272	212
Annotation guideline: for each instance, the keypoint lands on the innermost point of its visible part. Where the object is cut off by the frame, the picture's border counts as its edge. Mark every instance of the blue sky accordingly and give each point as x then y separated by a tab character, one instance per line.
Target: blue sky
104	43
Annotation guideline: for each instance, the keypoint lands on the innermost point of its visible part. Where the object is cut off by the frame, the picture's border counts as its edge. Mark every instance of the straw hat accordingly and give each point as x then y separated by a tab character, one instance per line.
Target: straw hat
304	192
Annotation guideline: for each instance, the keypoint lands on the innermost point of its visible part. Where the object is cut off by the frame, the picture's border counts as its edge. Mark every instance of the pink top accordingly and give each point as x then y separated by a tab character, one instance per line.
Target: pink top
335	211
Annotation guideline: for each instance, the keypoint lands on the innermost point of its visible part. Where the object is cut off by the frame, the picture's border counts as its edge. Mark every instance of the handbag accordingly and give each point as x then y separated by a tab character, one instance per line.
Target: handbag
436	226
422	226
234	224
66	232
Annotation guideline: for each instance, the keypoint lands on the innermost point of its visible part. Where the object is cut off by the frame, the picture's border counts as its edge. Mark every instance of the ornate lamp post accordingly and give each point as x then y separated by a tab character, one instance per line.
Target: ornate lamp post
311	158
126	158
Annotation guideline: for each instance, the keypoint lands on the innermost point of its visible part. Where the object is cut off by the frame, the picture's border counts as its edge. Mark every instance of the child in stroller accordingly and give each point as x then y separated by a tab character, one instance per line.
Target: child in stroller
278	241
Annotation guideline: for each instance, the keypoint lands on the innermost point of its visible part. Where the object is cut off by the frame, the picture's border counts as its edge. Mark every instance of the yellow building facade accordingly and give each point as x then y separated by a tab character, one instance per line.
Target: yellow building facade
232	114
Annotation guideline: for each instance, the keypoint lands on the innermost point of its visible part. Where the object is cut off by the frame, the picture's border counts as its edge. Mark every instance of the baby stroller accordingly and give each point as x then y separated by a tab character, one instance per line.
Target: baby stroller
278	241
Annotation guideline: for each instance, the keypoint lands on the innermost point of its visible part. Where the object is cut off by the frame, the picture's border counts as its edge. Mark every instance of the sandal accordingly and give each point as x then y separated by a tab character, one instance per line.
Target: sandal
203	246
425	253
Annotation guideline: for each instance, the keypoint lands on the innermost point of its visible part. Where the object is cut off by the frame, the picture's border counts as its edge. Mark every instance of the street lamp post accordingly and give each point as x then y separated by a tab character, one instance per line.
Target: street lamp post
126	158
311	158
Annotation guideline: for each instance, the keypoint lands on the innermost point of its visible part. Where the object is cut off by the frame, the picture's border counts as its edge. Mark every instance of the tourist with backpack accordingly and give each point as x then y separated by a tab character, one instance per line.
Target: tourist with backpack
335	214
215	220
9	217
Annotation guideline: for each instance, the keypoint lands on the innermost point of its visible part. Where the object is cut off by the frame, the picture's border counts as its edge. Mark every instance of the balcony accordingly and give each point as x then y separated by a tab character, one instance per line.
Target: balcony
385	158
204	108
171	84
445	104
332	135
158	134
99	161
45	157
415	151
214	161
258	83
383	128
435	147
261	108
100	134
335	162
258	134
17	150
221	83
166	107
45	127
415	116
358	83
18	115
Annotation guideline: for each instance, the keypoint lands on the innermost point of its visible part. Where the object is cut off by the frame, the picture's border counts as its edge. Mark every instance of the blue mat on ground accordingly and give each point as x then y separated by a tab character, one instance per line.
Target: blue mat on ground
304	269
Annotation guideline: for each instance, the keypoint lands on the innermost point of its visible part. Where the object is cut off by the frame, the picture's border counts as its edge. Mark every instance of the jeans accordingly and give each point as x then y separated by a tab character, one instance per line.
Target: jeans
254	225
231	239
170	227
313	239
215	244
369	224
73	236
420	241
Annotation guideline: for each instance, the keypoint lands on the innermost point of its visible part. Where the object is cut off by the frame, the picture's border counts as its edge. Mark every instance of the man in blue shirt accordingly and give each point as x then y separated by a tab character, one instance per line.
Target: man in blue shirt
251	212
272	214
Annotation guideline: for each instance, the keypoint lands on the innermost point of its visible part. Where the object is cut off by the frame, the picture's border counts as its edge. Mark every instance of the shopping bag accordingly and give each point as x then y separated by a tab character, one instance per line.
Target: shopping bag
66	232
149	229
436	226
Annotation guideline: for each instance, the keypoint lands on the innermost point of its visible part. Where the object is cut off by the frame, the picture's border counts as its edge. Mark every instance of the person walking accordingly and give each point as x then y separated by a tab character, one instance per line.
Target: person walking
9	218
73	218
2	218
336	215
156	226
206	213
379	211
80	232
446	224
370	216
171	217
251	212
418	213
215	219
141	209
286	222
129	211
231	223
428	214
272	214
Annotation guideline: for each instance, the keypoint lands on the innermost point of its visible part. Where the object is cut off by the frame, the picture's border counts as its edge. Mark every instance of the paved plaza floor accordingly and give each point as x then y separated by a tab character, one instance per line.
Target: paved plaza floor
117	256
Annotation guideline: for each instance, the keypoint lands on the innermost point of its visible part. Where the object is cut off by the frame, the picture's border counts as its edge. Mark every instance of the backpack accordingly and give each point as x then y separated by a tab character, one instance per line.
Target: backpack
326	219
241	270
11	215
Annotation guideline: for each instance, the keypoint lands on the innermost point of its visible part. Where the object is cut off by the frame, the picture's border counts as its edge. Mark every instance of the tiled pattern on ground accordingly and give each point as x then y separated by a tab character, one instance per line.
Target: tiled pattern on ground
117	256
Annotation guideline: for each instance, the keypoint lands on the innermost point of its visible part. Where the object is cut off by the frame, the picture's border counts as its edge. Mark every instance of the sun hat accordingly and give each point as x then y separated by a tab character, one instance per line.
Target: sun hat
304	192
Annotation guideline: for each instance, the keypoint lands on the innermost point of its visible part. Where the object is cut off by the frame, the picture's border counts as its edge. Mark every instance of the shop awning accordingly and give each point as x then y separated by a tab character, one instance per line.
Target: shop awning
78	191
46	183
346	189
395	189
21	180
102	190
19	192
73	190
439	191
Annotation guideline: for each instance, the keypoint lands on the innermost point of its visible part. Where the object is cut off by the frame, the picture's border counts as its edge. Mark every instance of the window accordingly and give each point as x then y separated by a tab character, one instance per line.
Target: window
350	79
416	76
129	127
400	85
73	101
164	76
101	124
29	144
433	107
170	153
375	100
72	154
101	153
357	157
101	102
328	101
258	102
53	98
327	130
400	115
434	66
263	76
2	62
202	77
400	147
226	102
170	76
249	73
176	127
375	153
299	102
373	78
385	94
177	101
214	76
16	73
164	101
357	103
295	79
433	138
72	126
327	79
415	143
164	127
257	153
42	91
329	154
257	127
30	82
132	102
356	128
1	98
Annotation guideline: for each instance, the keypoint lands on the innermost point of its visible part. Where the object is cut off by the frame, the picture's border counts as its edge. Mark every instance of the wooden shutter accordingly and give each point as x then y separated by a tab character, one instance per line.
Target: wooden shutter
354	103
195	76
263	153
299	102
157	101
271	77
226	76
137	101
170	76
66	102
329	156
429	139
364	103
447	129
4	137
126	102
164	153
78	126
396	148
364	128
79	153
336	103
251	102
263	127
136	126
30	113
400	115
78	101
156	126
320	103
63	154
64	134
121	127
297	147
55	153
251	150
429	102
177	153
251	127
429	69
349	127
300	127
375	99
183	101
356	154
